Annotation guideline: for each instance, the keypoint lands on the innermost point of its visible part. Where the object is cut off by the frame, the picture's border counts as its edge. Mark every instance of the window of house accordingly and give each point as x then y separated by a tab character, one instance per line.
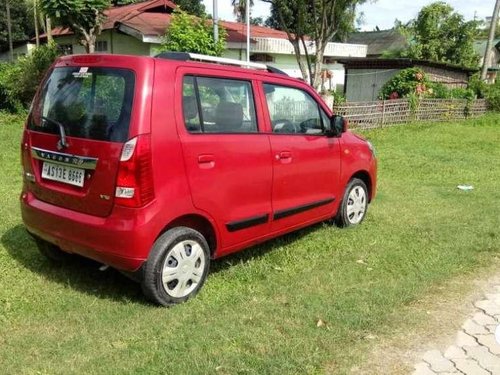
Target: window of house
217	105
261	57
293	111
101	46
66	49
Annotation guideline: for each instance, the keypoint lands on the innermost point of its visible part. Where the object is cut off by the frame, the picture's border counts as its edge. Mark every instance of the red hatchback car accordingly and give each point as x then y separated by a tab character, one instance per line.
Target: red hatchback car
154	166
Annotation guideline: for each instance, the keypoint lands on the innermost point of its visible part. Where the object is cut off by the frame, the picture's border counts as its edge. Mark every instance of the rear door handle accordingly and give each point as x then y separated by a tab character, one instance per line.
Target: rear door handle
284	155
206	161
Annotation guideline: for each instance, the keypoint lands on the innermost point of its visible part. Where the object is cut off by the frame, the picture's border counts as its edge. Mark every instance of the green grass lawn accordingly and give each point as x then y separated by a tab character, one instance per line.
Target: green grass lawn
258	311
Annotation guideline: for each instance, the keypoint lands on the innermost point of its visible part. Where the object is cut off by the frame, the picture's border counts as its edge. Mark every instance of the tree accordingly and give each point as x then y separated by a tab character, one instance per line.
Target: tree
193	7
83	17
257	21
188	33
21	23
441	34
310	25
240	9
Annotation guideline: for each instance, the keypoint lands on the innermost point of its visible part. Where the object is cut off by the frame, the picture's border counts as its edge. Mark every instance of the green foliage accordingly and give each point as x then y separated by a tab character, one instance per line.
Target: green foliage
19	80
439	91
477	85
70	13
192	7
188	33
406	82
493	96
257	21
317	21
240	8
83	17
22	23
338	97
441	34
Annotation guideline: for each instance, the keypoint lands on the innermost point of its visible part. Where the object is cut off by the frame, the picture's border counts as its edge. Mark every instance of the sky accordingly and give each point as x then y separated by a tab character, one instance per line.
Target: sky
381	13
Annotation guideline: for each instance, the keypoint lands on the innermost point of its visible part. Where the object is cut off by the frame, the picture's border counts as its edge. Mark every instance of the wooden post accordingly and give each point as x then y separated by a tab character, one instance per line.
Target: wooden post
383	114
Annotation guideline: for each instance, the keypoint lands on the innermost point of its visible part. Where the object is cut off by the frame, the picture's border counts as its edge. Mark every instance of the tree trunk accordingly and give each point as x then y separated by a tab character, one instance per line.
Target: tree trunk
494	21
298	57
35	19
48	22
9	30
318	64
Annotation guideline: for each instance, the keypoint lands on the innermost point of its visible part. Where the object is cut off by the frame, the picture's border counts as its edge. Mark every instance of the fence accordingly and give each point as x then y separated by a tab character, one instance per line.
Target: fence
367	115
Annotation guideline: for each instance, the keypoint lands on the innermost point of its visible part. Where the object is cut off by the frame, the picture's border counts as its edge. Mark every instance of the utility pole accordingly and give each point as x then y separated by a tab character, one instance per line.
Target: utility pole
9	30
247	11
215	20
491	36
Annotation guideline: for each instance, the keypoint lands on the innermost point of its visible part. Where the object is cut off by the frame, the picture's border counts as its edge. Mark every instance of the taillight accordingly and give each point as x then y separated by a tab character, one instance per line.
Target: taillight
26	158
134	184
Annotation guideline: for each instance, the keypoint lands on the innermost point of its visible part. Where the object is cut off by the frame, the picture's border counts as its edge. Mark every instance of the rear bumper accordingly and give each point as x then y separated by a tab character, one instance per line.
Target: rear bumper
121	240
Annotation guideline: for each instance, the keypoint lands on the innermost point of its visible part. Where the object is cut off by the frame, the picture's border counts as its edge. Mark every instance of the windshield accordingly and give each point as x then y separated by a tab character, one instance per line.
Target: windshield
90	103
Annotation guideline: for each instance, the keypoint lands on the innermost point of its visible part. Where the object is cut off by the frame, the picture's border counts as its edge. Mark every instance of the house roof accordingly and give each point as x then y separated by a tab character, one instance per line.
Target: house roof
151	18
480	46
379	42
374	63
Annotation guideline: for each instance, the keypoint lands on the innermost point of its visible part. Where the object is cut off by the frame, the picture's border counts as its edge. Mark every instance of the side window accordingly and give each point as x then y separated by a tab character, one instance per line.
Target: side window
190	105
293	111
326	120
217	105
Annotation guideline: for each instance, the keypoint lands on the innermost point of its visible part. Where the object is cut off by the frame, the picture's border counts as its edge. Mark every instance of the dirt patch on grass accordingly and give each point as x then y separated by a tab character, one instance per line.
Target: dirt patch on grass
430	322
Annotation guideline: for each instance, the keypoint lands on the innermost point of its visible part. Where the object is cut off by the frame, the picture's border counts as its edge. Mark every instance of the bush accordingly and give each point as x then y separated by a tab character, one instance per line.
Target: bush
479	86
406	82
7	101
19	80
187	33
492	94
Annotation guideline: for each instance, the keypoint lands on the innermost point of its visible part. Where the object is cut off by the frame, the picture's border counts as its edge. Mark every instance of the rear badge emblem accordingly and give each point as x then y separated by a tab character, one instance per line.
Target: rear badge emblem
105	197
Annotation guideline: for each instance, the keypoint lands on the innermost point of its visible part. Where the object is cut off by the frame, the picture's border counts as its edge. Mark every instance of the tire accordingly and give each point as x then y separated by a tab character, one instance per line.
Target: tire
352	209
177	266
51	251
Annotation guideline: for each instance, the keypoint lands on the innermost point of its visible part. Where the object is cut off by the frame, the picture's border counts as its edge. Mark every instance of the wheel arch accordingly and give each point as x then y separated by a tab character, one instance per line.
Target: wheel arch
365	177
199	223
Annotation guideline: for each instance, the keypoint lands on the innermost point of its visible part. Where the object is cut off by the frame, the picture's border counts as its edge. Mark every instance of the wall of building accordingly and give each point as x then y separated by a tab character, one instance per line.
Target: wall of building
449	78
288	64
117	43
120	43
19	51
365	84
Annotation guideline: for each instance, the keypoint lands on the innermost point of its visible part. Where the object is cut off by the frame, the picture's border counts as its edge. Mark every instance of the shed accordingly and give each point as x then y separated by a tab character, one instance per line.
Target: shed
379	42
365	76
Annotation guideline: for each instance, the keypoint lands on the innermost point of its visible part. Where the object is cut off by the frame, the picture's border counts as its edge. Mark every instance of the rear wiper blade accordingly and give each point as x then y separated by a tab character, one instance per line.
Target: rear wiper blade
62	141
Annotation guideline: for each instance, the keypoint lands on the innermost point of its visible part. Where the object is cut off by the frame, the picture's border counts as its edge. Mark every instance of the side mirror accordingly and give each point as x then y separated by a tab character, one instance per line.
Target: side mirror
338	125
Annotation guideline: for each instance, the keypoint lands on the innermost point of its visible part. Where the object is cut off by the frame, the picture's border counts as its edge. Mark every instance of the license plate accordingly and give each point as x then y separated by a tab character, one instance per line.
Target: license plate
63	173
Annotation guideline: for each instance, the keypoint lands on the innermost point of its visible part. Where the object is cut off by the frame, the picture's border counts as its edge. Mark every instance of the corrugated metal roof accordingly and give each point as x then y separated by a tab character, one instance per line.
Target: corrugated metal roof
379	42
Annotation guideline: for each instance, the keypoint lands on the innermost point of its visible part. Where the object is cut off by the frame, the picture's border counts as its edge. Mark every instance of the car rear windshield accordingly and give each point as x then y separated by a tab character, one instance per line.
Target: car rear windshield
90	103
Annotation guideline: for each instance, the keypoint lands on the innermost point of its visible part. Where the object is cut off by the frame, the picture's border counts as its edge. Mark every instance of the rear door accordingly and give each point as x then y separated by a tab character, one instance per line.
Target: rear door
306	163
93	107
227	159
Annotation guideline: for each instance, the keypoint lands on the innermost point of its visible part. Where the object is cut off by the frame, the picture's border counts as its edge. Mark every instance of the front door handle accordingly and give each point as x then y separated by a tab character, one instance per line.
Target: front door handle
206	161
